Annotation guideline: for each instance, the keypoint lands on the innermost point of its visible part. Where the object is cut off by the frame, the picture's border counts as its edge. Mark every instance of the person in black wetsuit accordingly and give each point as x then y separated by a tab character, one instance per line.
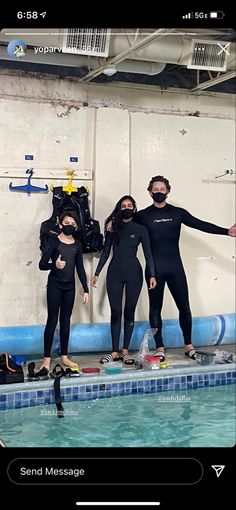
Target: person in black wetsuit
66	255
163	222
124	270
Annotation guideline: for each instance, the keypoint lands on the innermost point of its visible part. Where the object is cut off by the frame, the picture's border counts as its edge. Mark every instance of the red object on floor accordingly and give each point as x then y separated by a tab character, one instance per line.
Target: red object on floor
90	370
152	358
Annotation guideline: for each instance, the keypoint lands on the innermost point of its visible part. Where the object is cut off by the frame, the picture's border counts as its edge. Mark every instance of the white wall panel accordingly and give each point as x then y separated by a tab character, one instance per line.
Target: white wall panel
124	135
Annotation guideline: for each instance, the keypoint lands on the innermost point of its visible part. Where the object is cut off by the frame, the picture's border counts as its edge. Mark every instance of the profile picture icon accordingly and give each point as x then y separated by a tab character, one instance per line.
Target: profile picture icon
17	49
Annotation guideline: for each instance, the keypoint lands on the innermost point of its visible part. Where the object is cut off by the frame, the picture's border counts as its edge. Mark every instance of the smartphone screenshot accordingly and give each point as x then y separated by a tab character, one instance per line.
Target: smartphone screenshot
117	316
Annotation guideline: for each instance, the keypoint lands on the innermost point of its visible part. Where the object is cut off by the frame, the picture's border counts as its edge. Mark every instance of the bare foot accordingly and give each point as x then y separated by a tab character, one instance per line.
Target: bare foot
46	364
115	355
68	363
160	349
188	347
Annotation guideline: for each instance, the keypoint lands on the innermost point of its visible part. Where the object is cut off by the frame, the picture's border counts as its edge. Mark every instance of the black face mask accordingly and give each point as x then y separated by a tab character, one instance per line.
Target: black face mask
159	197
126	214
68	230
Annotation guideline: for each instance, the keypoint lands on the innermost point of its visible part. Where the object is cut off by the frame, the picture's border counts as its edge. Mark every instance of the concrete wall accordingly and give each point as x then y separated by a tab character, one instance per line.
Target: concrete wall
124	135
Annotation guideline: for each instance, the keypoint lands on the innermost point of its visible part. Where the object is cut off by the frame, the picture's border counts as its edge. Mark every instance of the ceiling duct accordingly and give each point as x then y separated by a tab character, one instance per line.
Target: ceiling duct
209	55
94	48
86	41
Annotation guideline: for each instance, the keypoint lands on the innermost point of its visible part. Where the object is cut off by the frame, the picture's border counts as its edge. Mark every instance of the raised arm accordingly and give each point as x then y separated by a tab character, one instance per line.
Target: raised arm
210	228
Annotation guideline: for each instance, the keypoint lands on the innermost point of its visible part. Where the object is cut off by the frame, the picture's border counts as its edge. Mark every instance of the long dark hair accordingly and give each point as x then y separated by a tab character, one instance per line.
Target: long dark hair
115	218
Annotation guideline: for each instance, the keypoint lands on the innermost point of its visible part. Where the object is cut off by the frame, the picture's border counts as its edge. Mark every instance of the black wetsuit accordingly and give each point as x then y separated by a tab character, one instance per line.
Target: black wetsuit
163	225
61	289
125	270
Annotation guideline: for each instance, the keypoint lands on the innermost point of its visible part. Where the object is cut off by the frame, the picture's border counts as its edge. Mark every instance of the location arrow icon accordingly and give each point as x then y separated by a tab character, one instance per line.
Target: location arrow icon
218	469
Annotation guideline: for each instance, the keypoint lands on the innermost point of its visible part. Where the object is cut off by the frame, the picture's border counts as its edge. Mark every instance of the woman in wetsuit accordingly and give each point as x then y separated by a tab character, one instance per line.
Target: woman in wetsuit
163	222
124	271
66	255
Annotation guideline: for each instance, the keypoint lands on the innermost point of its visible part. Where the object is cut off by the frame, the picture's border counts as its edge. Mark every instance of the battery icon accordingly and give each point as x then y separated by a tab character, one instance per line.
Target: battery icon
216	14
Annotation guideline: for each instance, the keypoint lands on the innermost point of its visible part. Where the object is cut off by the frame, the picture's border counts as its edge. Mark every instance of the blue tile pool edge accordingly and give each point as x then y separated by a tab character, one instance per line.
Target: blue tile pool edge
104	386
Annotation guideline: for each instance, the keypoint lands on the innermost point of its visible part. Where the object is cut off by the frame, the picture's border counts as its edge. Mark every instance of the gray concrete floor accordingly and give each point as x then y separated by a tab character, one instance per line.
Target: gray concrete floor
173	356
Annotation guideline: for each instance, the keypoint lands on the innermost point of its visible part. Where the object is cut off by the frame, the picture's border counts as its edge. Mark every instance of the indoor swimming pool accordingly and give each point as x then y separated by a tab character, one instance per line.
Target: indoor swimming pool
203	417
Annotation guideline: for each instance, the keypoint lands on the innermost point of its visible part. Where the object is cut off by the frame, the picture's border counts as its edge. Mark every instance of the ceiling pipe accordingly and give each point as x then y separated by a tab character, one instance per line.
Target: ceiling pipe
169	48
62	59
132	48
140	67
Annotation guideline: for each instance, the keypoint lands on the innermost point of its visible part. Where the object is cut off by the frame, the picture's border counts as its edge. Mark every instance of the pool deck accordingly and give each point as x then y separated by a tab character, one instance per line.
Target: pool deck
180	365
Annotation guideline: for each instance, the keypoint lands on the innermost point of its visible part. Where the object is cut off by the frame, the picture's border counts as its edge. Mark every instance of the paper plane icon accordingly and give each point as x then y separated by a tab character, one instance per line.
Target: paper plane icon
218	470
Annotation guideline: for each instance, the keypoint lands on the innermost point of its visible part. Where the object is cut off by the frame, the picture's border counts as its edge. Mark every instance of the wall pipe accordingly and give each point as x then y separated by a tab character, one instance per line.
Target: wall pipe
28	340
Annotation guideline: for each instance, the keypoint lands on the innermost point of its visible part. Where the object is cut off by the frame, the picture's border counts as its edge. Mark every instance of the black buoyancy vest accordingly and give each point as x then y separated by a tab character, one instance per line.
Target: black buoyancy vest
89	230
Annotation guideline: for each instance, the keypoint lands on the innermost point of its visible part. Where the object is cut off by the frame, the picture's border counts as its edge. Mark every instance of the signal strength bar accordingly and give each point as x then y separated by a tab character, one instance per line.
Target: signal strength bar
188	16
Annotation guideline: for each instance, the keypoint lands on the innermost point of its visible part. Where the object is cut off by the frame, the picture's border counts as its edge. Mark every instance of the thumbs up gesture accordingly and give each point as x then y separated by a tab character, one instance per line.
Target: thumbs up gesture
60	264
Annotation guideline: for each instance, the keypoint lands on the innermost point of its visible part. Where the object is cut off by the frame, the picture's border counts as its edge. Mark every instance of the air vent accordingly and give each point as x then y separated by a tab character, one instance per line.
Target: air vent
87	41
210	55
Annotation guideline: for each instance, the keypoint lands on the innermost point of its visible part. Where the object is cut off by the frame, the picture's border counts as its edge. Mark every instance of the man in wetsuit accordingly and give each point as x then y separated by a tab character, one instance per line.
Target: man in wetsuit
163	222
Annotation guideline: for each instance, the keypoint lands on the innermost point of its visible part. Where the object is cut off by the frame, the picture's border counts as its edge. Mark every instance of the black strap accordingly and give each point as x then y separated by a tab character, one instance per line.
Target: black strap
57	375
31	367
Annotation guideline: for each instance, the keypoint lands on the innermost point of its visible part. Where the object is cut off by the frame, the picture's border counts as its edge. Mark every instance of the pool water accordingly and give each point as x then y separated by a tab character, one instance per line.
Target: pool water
192	418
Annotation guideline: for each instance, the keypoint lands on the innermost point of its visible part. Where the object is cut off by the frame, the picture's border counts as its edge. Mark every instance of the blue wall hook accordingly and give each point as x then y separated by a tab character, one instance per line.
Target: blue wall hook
28	188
